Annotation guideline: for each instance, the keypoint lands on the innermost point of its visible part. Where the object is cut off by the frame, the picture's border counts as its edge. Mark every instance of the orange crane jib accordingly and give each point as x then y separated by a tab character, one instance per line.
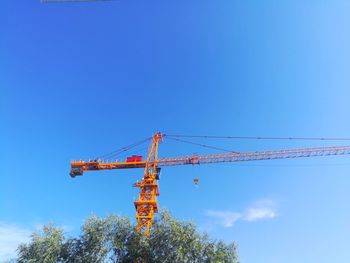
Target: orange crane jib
78	167
146	204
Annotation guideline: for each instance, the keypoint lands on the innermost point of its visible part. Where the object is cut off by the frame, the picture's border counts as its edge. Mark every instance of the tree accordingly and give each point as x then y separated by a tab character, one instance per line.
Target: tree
113	239
45	247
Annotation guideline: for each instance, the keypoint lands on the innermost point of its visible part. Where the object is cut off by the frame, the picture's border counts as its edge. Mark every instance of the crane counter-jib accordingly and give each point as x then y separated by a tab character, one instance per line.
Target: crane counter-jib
78	167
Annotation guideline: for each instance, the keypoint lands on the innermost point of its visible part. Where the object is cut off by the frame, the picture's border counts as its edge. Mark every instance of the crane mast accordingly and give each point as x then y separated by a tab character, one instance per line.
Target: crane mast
146	204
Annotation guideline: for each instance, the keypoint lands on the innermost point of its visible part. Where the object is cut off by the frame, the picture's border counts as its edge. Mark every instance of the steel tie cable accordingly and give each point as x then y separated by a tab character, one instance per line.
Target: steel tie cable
203	145
123	149
260	137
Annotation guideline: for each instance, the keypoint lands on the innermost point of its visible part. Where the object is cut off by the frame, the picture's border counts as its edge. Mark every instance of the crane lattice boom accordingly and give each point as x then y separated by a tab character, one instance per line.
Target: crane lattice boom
78	167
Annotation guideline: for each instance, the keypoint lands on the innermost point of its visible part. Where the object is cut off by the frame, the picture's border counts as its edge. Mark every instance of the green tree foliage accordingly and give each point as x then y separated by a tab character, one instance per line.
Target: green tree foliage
45	247
113	239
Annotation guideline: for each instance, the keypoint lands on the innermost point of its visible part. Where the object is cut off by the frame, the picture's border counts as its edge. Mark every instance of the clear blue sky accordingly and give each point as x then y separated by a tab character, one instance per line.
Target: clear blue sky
81	79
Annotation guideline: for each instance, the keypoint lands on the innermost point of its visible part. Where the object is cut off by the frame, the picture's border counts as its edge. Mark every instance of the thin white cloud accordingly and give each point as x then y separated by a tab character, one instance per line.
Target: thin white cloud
10	237
226	218
263	209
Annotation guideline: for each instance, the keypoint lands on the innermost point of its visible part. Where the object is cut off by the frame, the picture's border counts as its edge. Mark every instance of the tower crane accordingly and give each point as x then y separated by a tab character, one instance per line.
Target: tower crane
146	205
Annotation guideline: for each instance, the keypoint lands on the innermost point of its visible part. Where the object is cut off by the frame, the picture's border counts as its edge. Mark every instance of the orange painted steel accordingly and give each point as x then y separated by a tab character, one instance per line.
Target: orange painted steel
146	205
79	167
